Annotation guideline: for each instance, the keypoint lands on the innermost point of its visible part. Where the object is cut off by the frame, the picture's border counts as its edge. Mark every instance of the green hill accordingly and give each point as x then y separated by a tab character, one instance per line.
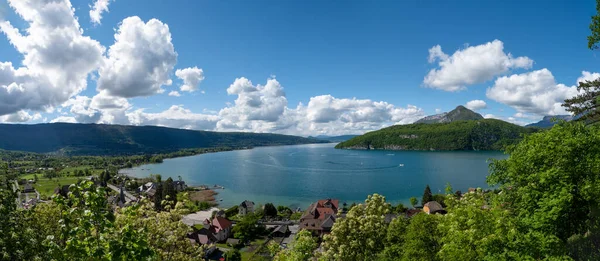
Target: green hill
485	134
101	139
460	113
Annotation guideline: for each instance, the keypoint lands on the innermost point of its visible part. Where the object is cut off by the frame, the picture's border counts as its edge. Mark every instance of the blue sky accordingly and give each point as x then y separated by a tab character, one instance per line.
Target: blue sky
374	51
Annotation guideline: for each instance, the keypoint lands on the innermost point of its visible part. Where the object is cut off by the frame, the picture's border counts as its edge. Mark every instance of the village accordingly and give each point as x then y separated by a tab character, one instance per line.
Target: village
248	227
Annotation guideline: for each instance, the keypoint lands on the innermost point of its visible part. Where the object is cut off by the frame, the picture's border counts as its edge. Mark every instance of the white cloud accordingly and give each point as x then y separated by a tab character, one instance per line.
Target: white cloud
140	60
56	57
191	78
99	7
534	92
472	65
174	93
176	117
512	120
588	76
64	119
20	117
264	109
476	105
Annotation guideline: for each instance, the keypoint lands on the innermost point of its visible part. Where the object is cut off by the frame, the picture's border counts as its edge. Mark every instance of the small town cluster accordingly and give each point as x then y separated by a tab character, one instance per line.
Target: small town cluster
213	227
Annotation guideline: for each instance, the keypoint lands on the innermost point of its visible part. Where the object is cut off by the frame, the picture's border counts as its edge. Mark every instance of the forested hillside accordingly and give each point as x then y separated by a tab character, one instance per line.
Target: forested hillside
101	139
486	134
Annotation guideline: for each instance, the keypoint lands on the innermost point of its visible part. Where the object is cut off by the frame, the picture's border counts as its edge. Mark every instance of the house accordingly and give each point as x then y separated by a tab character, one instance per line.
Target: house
246	207
232	242
27	188
433	207
217	230
179	185
320	216
280	231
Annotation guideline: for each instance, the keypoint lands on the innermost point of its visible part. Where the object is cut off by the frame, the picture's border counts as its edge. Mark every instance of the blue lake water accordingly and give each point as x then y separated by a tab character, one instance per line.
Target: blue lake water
298	175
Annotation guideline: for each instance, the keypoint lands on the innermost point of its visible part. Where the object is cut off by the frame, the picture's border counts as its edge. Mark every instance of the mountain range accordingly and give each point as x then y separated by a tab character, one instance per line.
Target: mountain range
459	129
102	139
549	121
334	138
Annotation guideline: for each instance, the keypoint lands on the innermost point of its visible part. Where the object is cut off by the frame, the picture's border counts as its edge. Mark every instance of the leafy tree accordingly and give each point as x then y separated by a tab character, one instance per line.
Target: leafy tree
269	210
395	238
594	38
300	250
414	201
233	255
247	228
158	195
35	178
296	216
421	241
361	234
232	211
400	208
552	180
586	104
427	195
169	192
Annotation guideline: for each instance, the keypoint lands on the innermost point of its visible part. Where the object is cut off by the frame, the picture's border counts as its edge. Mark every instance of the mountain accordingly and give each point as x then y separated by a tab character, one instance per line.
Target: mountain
549	121
460	113
102	139
484	134
335	138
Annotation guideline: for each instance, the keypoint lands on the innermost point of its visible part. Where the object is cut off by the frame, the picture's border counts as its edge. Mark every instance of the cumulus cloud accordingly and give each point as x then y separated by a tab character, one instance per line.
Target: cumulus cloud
472	65
261	108
140	60
66	119
98	8
476	105
513	120
191	78
534	92
588	76
176	116
19	117
56	57
174	93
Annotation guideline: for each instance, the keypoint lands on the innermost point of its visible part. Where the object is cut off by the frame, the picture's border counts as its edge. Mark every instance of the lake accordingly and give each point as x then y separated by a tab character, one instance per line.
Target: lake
298	175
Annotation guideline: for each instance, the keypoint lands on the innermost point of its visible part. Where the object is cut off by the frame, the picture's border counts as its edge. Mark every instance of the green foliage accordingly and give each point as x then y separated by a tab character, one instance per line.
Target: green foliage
248	228
586	104
395	238
232	211
486	134
361	234
269	210
169	193
100	139
300	250
552	180
427	195
233	255
296	216
460	113
414	201
594	38
400	208
421	240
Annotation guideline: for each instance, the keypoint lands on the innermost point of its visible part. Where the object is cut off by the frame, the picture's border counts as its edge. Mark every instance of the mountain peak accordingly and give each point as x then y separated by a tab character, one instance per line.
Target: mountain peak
460	113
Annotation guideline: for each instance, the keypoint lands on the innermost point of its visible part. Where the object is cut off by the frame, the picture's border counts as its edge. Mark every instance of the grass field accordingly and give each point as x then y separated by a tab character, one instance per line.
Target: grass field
46	186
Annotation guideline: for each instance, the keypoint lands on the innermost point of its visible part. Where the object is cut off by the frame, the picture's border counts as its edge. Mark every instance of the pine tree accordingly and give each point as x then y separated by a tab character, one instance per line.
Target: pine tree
427	196
158	196
587	103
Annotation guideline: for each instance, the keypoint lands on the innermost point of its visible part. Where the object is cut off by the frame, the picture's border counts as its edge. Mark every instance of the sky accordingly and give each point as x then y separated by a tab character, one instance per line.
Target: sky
292	67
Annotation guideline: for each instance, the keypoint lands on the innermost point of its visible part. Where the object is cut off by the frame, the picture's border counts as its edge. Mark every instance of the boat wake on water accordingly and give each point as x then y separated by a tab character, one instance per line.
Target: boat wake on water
279	166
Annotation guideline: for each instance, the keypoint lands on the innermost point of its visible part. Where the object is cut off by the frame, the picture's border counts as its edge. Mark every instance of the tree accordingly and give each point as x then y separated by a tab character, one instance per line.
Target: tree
395	238
586	105
361	234
427	195
269	210
169	192
414	201
247	228
158	195
233	255
35	178
300	250
421	241
594	38
400	208
551	180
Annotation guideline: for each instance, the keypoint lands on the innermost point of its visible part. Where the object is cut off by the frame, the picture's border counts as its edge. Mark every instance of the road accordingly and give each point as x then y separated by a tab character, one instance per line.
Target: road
128	196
